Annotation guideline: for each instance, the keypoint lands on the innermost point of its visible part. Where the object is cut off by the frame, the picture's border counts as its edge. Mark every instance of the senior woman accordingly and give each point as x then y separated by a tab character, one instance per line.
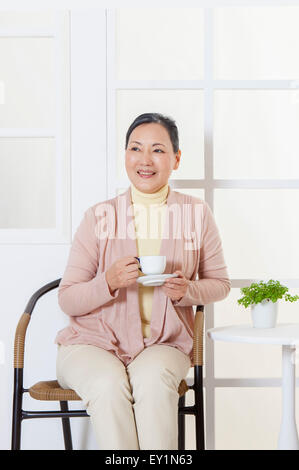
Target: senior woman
128	346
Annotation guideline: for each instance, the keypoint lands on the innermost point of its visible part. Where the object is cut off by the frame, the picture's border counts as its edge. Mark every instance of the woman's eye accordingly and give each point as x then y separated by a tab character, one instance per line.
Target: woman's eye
136	148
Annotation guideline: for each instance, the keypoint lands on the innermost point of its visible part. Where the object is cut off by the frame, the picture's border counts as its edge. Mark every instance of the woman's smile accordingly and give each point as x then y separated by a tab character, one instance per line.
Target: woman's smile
146	173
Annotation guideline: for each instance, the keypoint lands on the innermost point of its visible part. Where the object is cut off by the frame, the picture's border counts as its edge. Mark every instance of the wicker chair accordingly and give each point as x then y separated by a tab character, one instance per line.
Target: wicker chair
51	391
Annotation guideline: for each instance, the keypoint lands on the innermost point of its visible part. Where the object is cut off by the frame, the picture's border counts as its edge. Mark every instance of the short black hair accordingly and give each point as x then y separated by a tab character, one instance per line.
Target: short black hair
158	118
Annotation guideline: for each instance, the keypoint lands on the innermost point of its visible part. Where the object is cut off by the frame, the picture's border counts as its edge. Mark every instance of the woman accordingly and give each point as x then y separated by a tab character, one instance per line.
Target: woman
128	346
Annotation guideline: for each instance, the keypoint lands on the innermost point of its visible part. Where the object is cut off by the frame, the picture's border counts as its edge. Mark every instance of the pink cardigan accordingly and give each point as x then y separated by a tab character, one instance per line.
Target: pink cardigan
113	321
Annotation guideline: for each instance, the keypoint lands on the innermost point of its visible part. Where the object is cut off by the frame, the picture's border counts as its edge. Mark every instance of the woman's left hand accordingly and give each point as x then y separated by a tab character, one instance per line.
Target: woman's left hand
176	287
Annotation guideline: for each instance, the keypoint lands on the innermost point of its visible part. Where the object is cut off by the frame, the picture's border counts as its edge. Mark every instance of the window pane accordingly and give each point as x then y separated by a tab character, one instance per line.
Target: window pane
256	134
27	76
256	42
241	360
247	418
159	43
259	231
27	183
184	106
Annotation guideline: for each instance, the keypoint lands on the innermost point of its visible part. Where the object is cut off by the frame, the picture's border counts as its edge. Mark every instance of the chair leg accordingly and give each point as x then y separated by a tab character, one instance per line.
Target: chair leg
199	407
67	434
181	425
17	410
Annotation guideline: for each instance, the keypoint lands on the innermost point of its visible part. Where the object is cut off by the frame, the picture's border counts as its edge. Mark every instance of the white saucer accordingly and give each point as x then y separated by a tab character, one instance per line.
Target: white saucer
154	279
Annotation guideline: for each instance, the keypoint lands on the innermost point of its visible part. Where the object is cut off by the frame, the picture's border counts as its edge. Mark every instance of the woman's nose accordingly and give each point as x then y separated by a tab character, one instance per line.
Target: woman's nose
146	156
146	160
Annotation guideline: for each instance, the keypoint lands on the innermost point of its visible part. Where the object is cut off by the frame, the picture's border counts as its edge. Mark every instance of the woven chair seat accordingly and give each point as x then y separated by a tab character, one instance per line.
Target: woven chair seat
183	388
51	390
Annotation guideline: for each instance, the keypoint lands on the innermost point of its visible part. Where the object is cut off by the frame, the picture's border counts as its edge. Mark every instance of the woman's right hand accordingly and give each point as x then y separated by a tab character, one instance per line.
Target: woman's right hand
122	273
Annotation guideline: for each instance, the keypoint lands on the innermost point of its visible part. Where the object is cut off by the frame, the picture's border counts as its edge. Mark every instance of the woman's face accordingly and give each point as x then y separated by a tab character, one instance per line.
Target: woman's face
150	150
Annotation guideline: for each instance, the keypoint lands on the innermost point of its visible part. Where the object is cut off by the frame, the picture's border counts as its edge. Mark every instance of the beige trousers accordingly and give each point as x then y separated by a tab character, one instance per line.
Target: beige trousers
133	407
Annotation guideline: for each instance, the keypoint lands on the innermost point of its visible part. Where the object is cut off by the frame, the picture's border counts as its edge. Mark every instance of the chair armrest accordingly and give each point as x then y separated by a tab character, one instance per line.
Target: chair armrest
20	334
198	336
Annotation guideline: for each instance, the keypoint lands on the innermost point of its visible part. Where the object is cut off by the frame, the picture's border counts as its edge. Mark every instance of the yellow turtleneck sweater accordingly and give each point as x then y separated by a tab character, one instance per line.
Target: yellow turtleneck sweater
149	216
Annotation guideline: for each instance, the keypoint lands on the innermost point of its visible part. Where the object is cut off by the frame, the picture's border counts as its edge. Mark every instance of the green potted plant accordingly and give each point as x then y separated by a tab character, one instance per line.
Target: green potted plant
263	298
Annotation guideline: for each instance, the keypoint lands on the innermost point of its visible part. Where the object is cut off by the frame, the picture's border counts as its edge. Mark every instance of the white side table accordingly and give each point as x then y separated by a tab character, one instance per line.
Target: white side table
287	335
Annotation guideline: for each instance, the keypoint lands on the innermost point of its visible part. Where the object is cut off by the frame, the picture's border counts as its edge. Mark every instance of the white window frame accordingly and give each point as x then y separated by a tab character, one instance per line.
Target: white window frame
60	34
208	183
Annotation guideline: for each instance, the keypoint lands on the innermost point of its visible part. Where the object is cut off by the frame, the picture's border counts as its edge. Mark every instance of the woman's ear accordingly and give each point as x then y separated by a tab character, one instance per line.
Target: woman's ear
177	158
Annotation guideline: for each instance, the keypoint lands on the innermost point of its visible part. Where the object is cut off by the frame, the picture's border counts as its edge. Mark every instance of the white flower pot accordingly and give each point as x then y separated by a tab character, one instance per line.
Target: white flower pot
264	314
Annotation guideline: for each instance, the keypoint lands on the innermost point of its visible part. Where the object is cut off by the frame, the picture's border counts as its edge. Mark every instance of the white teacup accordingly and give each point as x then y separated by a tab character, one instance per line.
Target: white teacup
152	264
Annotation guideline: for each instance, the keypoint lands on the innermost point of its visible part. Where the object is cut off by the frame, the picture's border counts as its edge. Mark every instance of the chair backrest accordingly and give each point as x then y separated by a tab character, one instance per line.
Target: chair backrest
198	335
20	334
19	343
39	293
